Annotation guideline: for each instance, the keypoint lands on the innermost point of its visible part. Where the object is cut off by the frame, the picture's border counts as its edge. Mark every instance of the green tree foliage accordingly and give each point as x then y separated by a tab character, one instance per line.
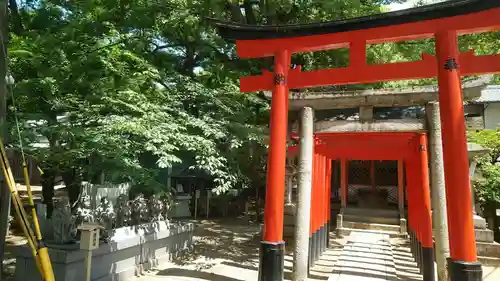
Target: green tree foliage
107	98
131	87
488	185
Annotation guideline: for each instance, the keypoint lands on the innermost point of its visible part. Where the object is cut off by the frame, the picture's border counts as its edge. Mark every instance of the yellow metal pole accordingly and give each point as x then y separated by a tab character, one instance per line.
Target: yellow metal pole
43	253
18	206
13	188
21	220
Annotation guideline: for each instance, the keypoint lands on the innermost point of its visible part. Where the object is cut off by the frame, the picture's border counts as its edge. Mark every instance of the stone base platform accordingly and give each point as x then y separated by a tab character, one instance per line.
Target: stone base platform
130	251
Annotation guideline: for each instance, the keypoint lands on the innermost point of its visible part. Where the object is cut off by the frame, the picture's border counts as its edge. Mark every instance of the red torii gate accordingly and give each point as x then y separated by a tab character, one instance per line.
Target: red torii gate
410	147
444	22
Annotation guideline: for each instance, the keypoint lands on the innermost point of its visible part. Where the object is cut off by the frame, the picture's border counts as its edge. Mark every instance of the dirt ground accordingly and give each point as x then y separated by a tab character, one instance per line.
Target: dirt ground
9	261
228	250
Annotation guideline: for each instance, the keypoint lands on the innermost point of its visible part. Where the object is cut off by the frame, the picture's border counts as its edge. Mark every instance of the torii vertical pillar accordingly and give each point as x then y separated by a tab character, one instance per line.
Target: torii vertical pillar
425	209
463	264
439	219
401	198
272	249
329	199
302	218
343	195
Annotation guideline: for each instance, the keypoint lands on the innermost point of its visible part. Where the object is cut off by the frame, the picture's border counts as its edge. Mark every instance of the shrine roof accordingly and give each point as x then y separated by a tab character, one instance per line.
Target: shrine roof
410	96
489	95
237	31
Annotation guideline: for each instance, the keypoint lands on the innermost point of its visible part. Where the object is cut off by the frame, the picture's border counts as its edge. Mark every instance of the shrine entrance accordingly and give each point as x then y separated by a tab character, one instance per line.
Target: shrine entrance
372	184
443	22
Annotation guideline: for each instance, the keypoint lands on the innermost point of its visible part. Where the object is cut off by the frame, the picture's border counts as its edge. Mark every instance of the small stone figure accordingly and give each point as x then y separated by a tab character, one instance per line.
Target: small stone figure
167	204
105	216
63	222
123	211
84	211
140	210
155	209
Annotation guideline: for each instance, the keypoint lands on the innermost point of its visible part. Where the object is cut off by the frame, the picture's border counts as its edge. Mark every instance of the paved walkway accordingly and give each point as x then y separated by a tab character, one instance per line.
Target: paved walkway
366	256
228	251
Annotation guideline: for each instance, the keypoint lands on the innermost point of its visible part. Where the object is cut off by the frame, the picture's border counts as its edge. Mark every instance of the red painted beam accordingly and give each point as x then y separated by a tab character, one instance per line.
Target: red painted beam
464	24
366	143
425	68
364	135
373	154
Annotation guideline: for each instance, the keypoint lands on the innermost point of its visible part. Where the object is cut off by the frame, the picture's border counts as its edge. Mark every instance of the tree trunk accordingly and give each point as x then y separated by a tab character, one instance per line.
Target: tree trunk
18	27
48	179
72	181
4	190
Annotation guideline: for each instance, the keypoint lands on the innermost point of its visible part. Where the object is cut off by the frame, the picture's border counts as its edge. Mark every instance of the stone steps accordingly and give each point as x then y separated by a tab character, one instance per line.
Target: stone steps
371	226
406	266
365	256
366	212
488	253
347	231
371	218
484	235
488	249
489	261
377	220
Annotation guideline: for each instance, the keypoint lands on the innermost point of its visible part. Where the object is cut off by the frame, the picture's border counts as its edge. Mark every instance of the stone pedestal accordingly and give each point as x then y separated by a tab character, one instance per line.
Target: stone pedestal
181	207
340	222
479	222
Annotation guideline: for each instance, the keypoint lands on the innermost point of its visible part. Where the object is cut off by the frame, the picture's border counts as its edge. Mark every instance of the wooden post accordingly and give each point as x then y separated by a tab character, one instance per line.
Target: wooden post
401	185
372	176
401	195
343	182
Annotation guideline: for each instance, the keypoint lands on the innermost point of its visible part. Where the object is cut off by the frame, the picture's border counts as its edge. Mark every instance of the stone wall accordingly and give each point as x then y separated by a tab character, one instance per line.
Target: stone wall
130	251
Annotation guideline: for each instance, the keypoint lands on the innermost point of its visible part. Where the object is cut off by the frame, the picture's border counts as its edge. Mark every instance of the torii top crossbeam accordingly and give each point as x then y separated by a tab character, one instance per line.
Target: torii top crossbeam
460	16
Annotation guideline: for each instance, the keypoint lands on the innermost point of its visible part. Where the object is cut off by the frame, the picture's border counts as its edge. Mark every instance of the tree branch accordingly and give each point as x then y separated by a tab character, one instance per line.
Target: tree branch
16	17
161	47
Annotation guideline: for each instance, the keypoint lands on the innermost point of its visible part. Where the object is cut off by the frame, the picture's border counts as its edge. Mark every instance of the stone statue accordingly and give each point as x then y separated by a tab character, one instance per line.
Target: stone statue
155	209
105	216
123	211
167	205
63	222
84	212
140	210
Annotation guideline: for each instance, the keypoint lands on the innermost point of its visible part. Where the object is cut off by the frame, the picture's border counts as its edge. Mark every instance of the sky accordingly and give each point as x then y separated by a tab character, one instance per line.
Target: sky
409	4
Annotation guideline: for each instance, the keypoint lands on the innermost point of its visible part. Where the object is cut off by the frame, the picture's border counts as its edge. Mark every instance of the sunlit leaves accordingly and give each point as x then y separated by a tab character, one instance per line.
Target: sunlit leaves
488	184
